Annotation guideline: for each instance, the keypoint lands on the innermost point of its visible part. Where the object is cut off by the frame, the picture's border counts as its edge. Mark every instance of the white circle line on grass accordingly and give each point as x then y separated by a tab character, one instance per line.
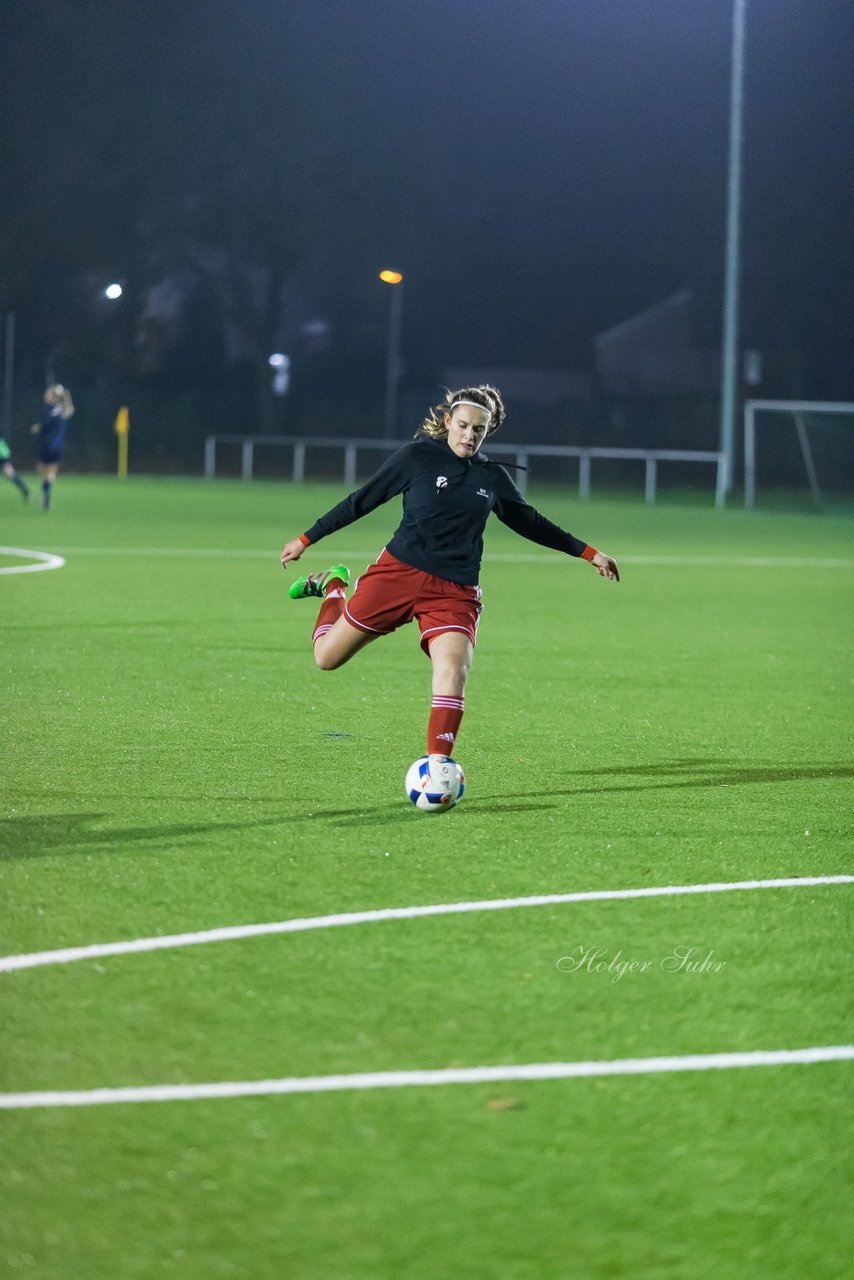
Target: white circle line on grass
44	559
411	1079
490	557
230	933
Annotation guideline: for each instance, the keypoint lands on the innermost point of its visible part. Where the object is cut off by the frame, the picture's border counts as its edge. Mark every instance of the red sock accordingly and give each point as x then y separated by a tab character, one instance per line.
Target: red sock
331	609
445	716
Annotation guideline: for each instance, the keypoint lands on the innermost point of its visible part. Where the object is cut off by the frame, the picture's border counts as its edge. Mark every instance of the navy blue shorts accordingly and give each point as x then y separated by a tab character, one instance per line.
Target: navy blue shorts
49	457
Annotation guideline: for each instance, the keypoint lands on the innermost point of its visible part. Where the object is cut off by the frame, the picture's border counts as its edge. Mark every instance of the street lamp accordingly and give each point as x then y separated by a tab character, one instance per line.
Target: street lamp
94	292
393	366
281	366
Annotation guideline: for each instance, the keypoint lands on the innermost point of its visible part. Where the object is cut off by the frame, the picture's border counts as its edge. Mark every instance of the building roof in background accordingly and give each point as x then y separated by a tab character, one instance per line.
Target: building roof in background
670	320
655	353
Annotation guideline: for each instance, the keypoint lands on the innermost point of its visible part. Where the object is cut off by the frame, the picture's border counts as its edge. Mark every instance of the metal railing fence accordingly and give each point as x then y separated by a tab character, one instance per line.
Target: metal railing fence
519	453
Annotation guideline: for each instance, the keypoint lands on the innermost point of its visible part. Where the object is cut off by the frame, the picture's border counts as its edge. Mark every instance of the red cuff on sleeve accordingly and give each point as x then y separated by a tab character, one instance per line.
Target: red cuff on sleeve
589	552
304	540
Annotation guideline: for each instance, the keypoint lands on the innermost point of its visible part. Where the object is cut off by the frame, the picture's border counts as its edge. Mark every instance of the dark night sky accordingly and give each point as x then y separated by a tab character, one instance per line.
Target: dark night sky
539	170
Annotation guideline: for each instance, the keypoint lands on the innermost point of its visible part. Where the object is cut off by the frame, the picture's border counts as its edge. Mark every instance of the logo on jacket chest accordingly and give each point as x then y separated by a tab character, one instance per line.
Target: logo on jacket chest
442	483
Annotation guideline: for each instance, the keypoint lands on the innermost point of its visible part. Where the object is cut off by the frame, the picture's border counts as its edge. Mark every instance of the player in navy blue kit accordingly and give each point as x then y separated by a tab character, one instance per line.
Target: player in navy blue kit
58	408
429	570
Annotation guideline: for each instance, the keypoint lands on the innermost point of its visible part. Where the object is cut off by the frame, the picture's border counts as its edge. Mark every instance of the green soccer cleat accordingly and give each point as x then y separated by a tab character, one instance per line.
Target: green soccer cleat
315	584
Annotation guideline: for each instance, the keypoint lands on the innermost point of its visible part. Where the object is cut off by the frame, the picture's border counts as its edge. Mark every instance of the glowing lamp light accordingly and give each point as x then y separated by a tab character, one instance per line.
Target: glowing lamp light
391	277
278	360
113	291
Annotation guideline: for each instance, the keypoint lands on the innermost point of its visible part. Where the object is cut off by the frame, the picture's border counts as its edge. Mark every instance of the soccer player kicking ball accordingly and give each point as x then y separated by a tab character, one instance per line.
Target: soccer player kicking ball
429	570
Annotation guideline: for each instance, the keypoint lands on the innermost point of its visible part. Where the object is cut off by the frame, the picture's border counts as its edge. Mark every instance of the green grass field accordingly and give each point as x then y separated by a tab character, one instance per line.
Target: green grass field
169	766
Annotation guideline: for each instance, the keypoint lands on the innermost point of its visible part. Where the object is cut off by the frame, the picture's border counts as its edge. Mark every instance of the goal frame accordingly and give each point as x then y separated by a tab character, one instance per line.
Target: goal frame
797	409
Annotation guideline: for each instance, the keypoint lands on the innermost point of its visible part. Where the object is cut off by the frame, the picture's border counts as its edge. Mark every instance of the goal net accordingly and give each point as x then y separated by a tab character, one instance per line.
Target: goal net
799	444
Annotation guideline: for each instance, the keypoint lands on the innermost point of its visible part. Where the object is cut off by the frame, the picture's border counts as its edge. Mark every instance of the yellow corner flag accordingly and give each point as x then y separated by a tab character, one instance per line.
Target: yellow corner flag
122	427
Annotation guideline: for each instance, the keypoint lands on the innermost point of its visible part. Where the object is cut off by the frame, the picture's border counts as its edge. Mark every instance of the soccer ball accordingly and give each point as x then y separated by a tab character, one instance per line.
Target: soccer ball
435	783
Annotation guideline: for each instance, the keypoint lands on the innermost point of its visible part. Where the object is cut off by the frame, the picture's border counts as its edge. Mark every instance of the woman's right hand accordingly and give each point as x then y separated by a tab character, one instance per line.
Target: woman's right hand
292	551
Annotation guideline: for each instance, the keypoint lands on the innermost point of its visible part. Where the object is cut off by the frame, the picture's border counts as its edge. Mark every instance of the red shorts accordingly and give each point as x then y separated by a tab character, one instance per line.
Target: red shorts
391	593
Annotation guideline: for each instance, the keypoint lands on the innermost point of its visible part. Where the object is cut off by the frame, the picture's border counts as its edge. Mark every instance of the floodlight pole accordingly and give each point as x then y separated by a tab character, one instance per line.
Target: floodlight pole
729	360
393	363
8	370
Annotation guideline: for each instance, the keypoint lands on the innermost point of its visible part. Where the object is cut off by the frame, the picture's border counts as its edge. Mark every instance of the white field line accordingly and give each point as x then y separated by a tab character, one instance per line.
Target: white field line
45	559
66	955
497	557
409	1079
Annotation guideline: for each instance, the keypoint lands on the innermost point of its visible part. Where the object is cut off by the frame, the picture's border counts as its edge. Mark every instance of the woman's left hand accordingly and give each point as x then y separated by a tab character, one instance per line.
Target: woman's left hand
605	566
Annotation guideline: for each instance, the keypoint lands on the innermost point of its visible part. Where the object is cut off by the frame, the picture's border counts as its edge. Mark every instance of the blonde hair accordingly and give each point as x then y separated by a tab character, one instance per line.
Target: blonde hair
489	398
59	395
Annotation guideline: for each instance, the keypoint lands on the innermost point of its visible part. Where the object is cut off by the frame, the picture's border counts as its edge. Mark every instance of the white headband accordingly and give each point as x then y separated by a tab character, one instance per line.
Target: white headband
474	405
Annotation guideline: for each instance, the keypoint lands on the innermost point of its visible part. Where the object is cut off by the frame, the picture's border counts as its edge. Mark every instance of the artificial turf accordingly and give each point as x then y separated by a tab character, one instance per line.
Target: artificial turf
173	761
